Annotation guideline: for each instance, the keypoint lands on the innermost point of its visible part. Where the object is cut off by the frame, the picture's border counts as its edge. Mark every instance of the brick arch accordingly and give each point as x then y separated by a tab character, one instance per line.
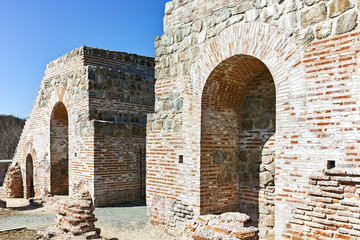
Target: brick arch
59	95
281	56
59	149
29	178
28	149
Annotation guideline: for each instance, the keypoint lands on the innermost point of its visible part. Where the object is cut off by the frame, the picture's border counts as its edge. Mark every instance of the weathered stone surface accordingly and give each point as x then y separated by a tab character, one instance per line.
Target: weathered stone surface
309	2
260	3
243	7
290	5
167	40
323	30
225	14
306	35
339	6
219	157
313	15
265	177
169	6
251	15
197	26
346	22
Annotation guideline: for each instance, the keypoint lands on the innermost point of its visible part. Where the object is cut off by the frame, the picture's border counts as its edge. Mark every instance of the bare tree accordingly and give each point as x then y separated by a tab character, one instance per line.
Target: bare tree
10	131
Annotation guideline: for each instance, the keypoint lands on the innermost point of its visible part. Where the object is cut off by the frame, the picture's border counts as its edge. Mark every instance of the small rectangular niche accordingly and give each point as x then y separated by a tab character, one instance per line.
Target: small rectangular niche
330	164
181	158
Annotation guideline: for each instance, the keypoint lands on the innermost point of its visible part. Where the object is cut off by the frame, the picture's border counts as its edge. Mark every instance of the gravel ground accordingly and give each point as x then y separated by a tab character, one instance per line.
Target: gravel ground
127	223
31	221
124	223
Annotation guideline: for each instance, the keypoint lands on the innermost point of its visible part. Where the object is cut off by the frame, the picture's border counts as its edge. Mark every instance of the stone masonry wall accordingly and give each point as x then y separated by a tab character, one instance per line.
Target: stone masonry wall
64	82
120	99
311	50
105	120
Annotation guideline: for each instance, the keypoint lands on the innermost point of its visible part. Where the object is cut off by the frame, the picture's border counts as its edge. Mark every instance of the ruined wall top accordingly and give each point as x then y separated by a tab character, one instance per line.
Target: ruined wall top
84	55
305	20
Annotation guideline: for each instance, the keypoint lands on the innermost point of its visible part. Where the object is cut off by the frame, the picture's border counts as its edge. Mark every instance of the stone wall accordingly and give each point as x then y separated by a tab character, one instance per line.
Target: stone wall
120	99
4	164
88	124
311	51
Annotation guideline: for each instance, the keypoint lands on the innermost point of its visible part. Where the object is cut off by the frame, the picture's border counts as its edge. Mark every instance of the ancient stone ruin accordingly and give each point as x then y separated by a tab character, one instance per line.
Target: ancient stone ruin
87	124
256	112
252	99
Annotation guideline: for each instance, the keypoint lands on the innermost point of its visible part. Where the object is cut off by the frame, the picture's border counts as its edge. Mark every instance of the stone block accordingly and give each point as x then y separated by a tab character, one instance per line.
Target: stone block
265	177
243	6
323	30
346	22
339	6
313	15
251	15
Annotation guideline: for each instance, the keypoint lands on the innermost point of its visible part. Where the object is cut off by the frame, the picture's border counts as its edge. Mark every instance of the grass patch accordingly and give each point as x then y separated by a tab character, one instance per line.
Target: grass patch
25	234
8	212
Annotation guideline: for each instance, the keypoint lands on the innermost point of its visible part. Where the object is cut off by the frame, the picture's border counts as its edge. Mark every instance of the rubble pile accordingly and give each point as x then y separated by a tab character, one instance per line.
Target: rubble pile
227	226
13	182
76	216
75	219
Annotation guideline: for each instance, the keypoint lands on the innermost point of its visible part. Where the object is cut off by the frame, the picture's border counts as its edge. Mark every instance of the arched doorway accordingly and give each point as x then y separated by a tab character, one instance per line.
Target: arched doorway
29	178
237	122
59	148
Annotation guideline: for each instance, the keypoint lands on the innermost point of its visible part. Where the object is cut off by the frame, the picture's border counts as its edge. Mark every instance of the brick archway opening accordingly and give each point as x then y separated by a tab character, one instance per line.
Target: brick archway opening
29	177
237	123
59	148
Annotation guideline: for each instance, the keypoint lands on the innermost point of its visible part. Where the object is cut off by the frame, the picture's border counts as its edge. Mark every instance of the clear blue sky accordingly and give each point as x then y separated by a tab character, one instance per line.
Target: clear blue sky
35	32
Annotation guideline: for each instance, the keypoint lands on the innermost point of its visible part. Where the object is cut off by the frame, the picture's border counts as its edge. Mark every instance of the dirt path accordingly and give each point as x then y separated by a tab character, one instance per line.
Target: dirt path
124	223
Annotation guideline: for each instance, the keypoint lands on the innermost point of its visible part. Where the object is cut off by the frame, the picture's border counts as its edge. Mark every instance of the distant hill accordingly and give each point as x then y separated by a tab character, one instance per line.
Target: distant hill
10	131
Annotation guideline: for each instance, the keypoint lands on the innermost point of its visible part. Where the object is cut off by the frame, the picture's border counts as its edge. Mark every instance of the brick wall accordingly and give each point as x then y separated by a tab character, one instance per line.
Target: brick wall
29	168
120	99
331	208
310	49
59	150
88	124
